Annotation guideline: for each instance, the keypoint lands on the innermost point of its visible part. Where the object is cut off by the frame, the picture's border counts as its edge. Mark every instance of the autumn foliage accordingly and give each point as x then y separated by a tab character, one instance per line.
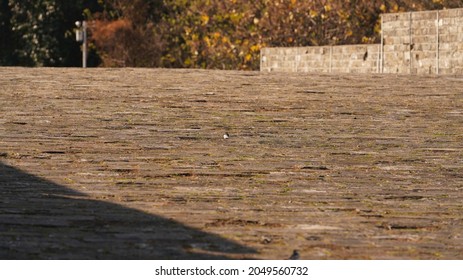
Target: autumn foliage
228	34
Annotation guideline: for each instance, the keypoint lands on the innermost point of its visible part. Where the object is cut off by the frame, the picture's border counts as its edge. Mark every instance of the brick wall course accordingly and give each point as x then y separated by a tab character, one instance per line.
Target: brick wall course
412	42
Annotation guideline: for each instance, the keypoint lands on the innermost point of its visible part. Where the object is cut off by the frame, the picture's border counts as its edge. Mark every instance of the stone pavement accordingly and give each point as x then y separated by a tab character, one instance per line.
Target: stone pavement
131	163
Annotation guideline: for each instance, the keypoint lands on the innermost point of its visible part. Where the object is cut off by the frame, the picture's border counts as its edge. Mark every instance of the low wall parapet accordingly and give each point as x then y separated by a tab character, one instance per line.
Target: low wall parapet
428	42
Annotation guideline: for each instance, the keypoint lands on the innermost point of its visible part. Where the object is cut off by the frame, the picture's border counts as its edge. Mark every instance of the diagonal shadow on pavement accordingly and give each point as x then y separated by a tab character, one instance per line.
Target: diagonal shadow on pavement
43	220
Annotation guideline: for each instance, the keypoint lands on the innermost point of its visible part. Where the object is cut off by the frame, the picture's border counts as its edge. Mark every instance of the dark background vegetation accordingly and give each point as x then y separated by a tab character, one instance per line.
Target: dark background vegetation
219	34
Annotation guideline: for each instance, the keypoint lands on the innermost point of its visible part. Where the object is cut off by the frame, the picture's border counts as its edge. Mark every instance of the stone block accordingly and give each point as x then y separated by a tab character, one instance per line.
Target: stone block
453	37
455	13
425	15
423	31
445	46
447	21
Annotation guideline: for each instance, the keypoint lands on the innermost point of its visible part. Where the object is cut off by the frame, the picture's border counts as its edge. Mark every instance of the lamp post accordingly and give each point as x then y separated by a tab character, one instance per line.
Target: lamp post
81	36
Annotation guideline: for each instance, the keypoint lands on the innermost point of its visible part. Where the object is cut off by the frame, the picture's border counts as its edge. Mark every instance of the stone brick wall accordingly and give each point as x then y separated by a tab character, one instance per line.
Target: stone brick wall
451	41
429	42
340	59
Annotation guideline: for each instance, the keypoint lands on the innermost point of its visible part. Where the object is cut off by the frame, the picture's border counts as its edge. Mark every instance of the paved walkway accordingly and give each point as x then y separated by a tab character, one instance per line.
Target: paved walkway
131	163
